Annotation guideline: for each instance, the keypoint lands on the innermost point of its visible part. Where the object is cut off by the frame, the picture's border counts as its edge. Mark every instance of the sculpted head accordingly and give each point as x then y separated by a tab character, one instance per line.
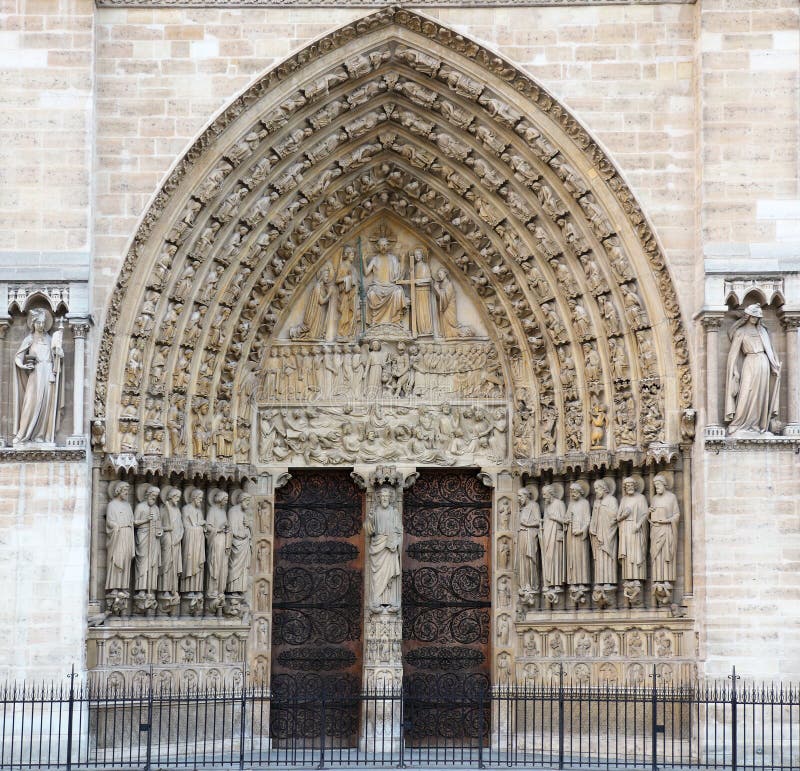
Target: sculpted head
600	488
221	498
660	484
38	320
122	490
575	492
246	502
174	495
385	496
547	493
382	244
197	497
629	485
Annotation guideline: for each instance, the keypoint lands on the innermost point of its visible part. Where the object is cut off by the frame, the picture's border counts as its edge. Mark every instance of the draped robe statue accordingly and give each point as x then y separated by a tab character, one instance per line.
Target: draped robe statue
239	523
664	515
422	294
38	381
577	543
315	316
385	533
120	549
752	376
346	288
194	546
171	558
603	533
148	533
632	519
530	521
386	299
449	327
552	535
218	547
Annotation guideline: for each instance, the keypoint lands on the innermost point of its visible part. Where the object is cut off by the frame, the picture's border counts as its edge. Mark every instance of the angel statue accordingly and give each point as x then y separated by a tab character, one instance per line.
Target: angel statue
38	385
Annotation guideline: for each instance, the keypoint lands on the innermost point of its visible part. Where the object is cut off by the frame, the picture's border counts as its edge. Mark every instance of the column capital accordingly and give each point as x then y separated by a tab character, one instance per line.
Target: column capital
790	319
80	328
711	320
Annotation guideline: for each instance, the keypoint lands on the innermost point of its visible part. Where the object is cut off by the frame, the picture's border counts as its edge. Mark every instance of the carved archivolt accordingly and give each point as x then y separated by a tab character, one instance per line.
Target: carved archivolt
396	119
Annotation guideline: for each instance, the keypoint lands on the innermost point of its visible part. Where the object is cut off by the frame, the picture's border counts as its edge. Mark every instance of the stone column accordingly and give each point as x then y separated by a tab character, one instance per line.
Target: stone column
383	622
791	324
712	321
4	325
259	645
79	330
506	485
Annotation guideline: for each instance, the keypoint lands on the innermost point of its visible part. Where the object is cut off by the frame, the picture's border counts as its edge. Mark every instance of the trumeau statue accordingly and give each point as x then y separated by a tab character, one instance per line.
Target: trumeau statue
752	376
147	521
664	515
385	533
120	548
38	381
527	557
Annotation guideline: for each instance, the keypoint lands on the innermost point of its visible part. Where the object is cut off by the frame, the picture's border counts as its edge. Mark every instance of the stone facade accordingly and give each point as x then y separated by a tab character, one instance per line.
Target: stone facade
120	117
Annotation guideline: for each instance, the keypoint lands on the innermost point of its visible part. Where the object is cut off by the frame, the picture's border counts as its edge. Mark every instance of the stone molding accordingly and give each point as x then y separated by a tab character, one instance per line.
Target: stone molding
717	443
371	3
41	454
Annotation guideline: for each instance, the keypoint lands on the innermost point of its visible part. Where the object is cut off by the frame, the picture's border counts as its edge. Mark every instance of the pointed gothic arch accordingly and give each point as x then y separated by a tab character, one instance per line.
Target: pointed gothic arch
399	115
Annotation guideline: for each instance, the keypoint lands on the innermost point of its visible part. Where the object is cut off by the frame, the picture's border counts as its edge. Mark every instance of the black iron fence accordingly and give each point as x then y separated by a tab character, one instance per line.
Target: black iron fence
731	725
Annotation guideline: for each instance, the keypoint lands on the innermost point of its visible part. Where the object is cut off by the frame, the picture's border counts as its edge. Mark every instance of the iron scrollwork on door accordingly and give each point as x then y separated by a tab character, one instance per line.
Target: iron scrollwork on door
446	602
316	632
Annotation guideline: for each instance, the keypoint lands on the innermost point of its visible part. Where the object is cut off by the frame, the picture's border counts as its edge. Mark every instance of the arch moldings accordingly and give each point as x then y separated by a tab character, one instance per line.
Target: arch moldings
397	114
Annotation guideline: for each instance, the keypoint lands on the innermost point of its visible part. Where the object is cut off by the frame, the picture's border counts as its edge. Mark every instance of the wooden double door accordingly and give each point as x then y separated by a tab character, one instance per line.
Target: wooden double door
317	636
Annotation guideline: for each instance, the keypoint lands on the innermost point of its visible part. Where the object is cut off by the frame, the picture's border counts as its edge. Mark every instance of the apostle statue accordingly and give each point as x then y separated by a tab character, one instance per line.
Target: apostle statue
38	381
385	533
554	521
664	515
347	293
148	533
194	549
120	549
603	537
239	518
449	327
315	317
527	558
632	523
386	299
577	541
423	311
218	548
171	558
752	376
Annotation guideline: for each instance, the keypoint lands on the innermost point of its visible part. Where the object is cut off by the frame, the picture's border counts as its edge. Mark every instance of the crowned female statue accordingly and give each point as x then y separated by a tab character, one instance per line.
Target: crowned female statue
38	382
752	376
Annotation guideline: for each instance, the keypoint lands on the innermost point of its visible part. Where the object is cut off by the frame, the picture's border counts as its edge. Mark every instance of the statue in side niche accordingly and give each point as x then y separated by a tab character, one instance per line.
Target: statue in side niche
577	541
664	516
632	519
194	549
239	521
530	522
171	562
38	381
752	376
218	548
147	521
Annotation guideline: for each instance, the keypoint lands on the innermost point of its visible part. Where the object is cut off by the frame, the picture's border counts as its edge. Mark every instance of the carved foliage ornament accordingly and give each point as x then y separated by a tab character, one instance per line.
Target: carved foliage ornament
223	332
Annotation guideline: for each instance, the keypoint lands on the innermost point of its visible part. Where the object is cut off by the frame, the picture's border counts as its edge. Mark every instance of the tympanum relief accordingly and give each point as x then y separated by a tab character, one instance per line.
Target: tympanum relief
383	359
